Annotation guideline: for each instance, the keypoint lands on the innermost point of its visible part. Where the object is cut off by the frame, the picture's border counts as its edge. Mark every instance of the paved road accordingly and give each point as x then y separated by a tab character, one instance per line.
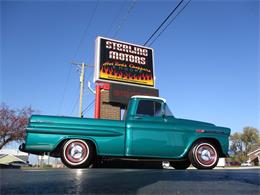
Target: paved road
130	181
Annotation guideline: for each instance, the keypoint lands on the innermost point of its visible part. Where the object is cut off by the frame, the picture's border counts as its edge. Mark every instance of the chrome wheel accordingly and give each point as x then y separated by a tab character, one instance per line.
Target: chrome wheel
75	153
206	154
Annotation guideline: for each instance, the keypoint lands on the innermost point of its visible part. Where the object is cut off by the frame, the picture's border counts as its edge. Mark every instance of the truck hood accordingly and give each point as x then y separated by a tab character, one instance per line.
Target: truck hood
207	127
194	123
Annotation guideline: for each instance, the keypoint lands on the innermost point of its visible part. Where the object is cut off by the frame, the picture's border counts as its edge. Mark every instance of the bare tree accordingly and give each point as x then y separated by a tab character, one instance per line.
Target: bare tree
13	124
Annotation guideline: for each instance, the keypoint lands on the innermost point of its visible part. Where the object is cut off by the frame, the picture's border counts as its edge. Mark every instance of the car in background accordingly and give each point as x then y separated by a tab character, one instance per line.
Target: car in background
233	164
246	164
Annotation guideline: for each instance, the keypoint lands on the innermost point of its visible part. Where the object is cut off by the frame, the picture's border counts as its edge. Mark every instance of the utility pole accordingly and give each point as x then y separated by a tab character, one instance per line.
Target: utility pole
82	67
81	80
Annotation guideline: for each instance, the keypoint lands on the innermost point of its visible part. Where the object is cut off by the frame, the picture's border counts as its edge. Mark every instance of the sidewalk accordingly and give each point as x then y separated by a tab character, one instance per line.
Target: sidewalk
226	168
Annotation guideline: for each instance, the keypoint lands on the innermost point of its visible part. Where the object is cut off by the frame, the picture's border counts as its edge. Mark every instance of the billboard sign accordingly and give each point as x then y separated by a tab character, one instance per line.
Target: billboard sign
122	62
122	93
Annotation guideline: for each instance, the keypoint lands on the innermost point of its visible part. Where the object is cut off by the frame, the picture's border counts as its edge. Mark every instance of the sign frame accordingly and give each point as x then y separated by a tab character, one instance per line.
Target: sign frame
97	64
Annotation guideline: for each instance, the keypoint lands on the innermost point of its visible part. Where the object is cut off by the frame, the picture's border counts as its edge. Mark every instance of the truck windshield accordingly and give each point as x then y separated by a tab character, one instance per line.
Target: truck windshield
168	111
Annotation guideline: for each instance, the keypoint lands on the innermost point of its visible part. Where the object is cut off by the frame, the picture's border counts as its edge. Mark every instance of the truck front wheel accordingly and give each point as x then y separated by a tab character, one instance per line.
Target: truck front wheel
204	155
76	153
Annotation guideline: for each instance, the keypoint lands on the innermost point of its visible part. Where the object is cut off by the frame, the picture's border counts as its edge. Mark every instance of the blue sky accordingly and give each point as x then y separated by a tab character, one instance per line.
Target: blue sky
207	61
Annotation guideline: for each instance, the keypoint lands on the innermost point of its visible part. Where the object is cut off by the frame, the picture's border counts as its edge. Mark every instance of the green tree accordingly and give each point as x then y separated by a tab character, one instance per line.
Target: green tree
250	138
243	143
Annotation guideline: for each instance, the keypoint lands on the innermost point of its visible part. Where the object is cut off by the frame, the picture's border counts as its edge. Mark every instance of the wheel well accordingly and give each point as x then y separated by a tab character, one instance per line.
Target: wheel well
56	151
213	141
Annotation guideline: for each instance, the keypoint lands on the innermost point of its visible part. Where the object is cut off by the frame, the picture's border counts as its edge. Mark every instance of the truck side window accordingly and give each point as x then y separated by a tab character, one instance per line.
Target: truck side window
149	108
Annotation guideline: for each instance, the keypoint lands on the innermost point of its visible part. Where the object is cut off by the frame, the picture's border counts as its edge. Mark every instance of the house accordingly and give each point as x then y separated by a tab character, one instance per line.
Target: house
10	158
254	157
11	161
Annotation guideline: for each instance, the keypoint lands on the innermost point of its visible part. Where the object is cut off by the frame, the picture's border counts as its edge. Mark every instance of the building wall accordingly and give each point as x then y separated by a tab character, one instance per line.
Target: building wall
108	111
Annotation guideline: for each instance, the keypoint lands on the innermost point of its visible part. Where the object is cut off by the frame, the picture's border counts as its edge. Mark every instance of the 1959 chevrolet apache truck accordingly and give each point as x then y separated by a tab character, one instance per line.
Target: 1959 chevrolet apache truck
148	131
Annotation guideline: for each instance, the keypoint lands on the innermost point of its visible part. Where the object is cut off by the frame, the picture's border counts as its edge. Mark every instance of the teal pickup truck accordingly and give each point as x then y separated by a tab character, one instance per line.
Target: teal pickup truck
148	131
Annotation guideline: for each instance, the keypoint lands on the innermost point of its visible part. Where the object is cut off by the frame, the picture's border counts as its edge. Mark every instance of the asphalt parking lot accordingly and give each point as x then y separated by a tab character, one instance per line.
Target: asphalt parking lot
130	181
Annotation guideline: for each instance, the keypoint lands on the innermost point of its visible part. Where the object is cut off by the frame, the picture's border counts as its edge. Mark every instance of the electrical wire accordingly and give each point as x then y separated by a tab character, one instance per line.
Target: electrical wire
165	20
64	90
86	29
90	105
75	55
124	18
89	75
169	23
116	17
76	97
76	102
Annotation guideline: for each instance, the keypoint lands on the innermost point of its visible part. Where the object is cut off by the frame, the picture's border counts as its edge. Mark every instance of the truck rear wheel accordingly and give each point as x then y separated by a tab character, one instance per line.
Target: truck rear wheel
76	153
204	155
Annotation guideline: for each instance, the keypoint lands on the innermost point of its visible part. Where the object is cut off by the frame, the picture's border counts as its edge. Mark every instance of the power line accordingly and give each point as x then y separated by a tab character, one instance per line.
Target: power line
74	106
90	105
75	54
90	73
77	50
125	18
64	90
116	17
86	29
76	102
169	23
82	38
165	20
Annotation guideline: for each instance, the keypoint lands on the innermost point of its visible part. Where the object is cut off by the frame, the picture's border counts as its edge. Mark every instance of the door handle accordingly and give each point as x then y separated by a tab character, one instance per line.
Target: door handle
138	117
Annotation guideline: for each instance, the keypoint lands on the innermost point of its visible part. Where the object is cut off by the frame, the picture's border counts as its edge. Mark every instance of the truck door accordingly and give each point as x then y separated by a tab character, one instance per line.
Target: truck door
149	131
